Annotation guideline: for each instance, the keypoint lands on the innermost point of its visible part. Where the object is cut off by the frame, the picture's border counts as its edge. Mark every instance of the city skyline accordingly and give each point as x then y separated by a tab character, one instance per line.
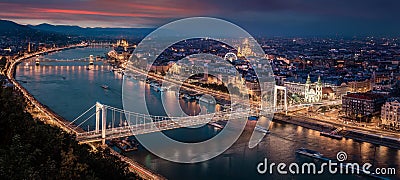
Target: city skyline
274	18
168	89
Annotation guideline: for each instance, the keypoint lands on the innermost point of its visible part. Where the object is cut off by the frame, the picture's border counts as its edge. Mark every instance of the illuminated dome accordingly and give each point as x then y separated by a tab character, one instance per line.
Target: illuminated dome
230	57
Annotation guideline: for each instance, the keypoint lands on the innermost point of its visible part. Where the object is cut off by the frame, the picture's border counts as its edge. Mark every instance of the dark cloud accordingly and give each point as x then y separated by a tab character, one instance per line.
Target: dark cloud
273	17
343	8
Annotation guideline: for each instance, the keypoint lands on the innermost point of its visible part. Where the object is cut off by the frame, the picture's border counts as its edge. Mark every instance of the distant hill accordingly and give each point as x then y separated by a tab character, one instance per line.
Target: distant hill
130	33
64	29
17	36
9	28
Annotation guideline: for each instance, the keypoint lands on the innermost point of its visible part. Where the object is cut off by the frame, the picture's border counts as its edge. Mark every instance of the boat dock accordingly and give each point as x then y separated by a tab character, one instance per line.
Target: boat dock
333	134
124	145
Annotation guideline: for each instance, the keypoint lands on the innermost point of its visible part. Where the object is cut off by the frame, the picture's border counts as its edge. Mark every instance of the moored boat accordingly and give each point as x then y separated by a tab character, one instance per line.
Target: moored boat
309	153
216	125
334	134
261	129
104	86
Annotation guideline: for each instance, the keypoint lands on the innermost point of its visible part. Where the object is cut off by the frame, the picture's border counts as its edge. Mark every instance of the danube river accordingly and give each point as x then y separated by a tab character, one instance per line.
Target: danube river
69	89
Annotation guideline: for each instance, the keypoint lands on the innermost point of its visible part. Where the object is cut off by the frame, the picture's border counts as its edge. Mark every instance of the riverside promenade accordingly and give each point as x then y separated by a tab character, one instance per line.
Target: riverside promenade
357	133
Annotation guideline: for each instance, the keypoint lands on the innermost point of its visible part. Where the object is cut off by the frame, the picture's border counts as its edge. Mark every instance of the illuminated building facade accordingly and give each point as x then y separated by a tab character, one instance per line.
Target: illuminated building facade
362	106
390	113
313	92
360	86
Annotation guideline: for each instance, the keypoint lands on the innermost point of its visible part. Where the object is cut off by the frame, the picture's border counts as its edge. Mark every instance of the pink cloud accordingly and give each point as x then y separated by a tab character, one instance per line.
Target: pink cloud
85	12
105	12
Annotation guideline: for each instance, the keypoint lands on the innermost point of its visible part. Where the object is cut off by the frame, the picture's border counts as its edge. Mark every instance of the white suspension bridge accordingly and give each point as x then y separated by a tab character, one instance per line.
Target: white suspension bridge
111	122
91	59
131	123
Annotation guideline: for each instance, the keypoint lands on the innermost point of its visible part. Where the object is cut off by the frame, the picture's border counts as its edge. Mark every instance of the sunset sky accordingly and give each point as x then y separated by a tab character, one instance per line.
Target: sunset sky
274	17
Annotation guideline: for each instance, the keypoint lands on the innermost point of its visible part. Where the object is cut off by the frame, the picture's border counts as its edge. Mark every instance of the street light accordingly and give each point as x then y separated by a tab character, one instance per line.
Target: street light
359	116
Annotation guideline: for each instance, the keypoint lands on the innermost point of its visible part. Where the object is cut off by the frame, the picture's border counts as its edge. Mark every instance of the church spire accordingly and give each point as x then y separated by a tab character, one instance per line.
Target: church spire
319	80
308	79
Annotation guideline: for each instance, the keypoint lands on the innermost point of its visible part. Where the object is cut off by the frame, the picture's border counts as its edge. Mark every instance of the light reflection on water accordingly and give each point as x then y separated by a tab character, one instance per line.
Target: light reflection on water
69	89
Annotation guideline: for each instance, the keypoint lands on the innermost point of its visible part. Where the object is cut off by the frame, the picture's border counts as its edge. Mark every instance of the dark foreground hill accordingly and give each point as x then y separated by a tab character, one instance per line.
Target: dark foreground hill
30	149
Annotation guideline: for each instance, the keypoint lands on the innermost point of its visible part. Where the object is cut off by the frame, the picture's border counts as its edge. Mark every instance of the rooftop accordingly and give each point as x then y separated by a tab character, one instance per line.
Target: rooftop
393	99
366	96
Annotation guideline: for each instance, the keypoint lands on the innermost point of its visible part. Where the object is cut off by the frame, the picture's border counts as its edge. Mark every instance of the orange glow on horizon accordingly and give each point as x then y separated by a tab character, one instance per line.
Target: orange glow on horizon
100	14
85	12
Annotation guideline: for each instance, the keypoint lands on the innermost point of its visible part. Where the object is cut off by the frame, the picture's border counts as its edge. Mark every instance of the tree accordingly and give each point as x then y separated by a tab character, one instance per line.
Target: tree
3	62
30	149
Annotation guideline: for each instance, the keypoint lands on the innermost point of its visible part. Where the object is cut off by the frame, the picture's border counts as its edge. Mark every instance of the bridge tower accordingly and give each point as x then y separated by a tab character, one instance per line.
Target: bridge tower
281	88
29	47
98	111
101	110
37	61
103	124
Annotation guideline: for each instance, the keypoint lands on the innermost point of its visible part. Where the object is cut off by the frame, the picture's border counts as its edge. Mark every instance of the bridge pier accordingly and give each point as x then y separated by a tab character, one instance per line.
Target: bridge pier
37	61
91	60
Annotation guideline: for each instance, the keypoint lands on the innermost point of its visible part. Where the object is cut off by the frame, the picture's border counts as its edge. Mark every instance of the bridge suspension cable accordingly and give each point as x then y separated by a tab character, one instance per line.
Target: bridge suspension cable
85	120
82	114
